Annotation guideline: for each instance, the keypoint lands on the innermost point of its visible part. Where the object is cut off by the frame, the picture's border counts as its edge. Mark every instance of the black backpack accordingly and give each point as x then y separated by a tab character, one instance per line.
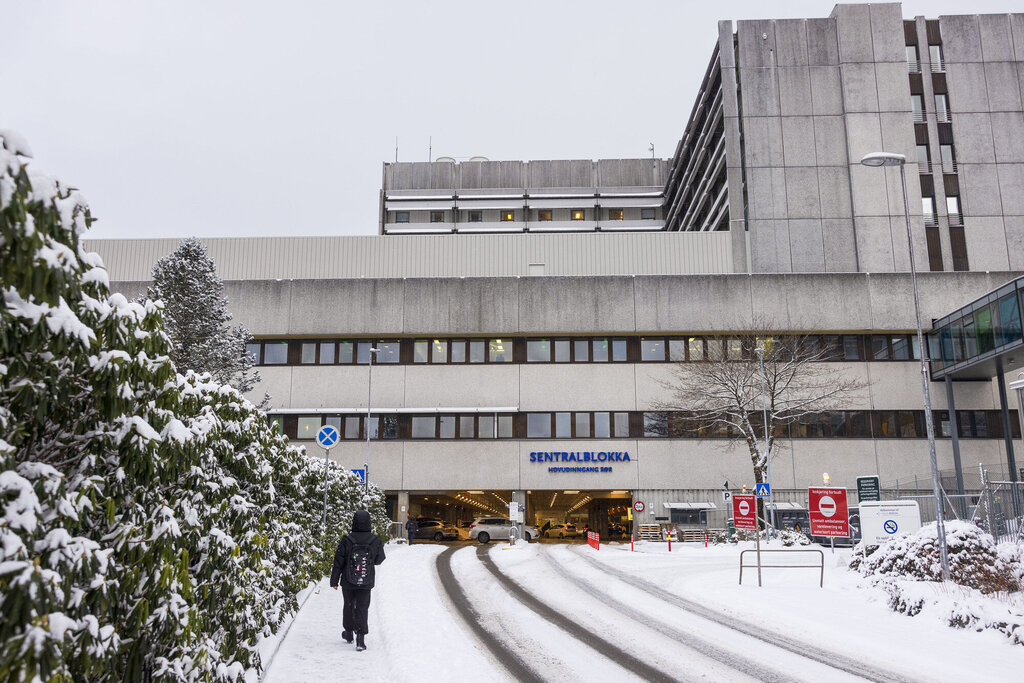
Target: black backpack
359	566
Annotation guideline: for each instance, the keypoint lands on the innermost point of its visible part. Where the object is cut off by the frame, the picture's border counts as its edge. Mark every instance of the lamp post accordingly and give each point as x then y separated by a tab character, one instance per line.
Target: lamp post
369	391
767	453
876	159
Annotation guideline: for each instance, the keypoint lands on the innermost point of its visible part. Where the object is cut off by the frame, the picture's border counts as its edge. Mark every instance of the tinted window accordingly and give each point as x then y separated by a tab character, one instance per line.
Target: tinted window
538	425
275	353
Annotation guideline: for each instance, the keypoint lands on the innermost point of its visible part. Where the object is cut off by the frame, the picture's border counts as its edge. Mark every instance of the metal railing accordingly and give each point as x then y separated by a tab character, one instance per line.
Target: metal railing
949	166
939	66
956	219
914	66
820	567
944	116
918	116
924	168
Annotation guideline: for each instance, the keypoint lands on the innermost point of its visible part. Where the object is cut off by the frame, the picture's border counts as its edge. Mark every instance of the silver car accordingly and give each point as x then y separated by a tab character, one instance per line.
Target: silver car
437	531
485	529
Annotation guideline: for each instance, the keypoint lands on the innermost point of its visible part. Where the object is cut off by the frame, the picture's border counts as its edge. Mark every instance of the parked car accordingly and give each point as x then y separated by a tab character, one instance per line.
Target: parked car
437	531
486	529
562	531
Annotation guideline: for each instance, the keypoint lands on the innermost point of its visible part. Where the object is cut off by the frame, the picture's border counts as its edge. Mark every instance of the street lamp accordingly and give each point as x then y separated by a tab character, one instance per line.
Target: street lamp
369	390
767	453
876	159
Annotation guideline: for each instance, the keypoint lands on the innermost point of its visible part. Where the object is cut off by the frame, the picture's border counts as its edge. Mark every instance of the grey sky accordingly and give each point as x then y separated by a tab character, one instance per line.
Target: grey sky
273	118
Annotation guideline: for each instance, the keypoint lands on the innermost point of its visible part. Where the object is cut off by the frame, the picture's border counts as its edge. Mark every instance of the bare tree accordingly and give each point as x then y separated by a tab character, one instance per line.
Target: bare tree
718	391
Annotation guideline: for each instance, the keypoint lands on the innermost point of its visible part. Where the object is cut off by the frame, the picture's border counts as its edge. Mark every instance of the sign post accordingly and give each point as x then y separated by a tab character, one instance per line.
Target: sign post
326	438
744	516
830	513
868	488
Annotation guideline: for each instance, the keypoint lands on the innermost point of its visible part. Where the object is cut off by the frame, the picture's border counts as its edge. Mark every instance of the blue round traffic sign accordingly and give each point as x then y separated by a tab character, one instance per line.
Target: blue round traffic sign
327	437
890	526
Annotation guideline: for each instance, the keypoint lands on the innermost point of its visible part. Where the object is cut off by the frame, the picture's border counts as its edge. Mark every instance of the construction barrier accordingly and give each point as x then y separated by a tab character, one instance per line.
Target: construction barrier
594	540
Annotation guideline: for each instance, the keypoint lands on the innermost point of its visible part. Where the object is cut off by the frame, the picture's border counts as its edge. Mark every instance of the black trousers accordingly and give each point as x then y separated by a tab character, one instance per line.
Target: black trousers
356	610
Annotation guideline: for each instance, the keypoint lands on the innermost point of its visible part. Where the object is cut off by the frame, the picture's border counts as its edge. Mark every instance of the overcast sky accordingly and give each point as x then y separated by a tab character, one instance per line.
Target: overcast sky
273	118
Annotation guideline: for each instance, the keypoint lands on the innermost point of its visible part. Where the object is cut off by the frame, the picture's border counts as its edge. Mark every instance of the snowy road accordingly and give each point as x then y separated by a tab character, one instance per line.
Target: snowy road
549	612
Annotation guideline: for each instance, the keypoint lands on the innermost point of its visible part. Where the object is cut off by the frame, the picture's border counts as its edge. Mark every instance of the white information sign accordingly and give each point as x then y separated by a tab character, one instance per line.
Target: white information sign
883	520
513	512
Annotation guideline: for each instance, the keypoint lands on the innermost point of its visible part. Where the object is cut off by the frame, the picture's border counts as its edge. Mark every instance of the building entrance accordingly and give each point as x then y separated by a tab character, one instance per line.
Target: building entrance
606	512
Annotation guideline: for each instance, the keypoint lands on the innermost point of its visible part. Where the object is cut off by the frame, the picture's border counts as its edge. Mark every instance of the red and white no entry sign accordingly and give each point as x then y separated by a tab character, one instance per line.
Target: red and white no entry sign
638	506
830	515
744	512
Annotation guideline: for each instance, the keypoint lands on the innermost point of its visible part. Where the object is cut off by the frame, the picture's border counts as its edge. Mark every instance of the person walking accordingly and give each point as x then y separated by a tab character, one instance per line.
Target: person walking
358	553
411	527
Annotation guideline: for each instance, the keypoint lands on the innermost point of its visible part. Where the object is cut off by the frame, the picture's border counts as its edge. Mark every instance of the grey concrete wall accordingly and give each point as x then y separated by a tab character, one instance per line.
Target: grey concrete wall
985	70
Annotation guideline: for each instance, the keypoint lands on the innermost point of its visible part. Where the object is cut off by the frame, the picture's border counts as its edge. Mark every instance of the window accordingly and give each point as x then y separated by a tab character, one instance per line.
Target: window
621	424
924	163
276	423
953	209
499	351
475	216
563	425
928	209
351	427
507	216
948	158
327	353
504	426
254	352
935	57
485	423
458	350
544	215
387	352
389	426
582	425
912	58
917	108
577	214
647	214
308	427
602	425
437	216
734	349
446	426
695	348
618	350
652	349
581	350
420	350
538	351
476	351
345	352
401	216
424	427
275	353
439	351
562	348
677	350
600	350
538	425
308	354
941	107
467	428
655	424
615	214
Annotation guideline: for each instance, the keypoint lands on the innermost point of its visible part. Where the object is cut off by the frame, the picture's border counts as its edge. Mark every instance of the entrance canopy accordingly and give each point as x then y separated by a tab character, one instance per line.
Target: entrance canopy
981	340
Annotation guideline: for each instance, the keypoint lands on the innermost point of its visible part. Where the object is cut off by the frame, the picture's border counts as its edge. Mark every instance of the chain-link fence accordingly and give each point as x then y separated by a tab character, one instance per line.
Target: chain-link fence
990	500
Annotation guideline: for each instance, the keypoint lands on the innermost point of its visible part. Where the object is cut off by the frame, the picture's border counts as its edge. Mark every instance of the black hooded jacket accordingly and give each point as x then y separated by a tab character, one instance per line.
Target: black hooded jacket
361	534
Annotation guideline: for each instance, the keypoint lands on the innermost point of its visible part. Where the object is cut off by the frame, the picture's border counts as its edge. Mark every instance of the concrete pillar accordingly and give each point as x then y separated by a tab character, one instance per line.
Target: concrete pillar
519	497
402	509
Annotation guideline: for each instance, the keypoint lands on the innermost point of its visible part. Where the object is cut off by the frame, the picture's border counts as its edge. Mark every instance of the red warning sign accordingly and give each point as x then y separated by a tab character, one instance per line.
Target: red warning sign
744	512
830	515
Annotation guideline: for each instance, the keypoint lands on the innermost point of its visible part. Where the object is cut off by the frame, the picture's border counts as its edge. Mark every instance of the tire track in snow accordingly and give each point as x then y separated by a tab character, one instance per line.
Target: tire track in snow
755	670
516	667
603	647
812	652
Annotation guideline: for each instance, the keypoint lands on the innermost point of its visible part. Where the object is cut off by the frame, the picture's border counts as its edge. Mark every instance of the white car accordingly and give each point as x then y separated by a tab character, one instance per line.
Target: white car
562	531
485	529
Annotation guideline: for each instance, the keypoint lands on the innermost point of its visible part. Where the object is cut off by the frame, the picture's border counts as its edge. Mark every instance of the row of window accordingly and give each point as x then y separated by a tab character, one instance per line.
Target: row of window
934	57
990	325
834	347
850	424
542	215
942	113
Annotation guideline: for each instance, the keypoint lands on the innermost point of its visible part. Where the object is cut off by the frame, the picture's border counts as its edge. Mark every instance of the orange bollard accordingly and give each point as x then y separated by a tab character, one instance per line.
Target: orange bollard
631	542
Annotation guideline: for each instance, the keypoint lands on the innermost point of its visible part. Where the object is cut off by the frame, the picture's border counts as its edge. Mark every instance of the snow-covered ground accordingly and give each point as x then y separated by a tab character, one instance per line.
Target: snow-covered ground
635	619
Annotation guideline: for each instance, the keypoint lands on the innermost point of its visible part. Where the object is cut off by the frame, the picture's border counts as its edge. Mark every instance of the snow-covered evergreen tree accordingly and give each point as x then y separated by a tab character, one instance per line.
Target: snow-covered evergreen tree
154	525
196	317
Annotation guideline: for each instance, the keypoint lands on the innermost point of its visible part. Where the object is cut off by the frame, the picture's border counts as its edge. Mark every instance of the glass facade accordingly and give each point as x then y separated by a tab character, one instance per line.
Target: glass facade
978	331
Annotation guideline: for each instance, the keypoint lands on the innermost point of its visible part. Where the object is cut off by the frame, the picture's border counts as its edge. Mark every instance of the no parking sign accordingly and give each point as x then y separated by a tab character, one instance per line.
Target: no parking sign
744	512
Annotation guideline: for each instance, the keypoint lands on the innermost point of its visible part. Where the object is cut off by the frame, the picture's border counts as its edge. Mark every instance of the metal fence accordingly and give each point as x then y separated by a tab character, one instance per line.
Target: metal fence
989	500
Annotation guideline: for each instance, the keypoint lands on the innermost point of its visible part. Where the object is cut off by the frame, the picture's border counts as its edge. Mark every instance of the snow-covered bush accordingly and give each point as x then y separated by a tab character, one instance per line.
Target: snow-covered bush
975	560
154	525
